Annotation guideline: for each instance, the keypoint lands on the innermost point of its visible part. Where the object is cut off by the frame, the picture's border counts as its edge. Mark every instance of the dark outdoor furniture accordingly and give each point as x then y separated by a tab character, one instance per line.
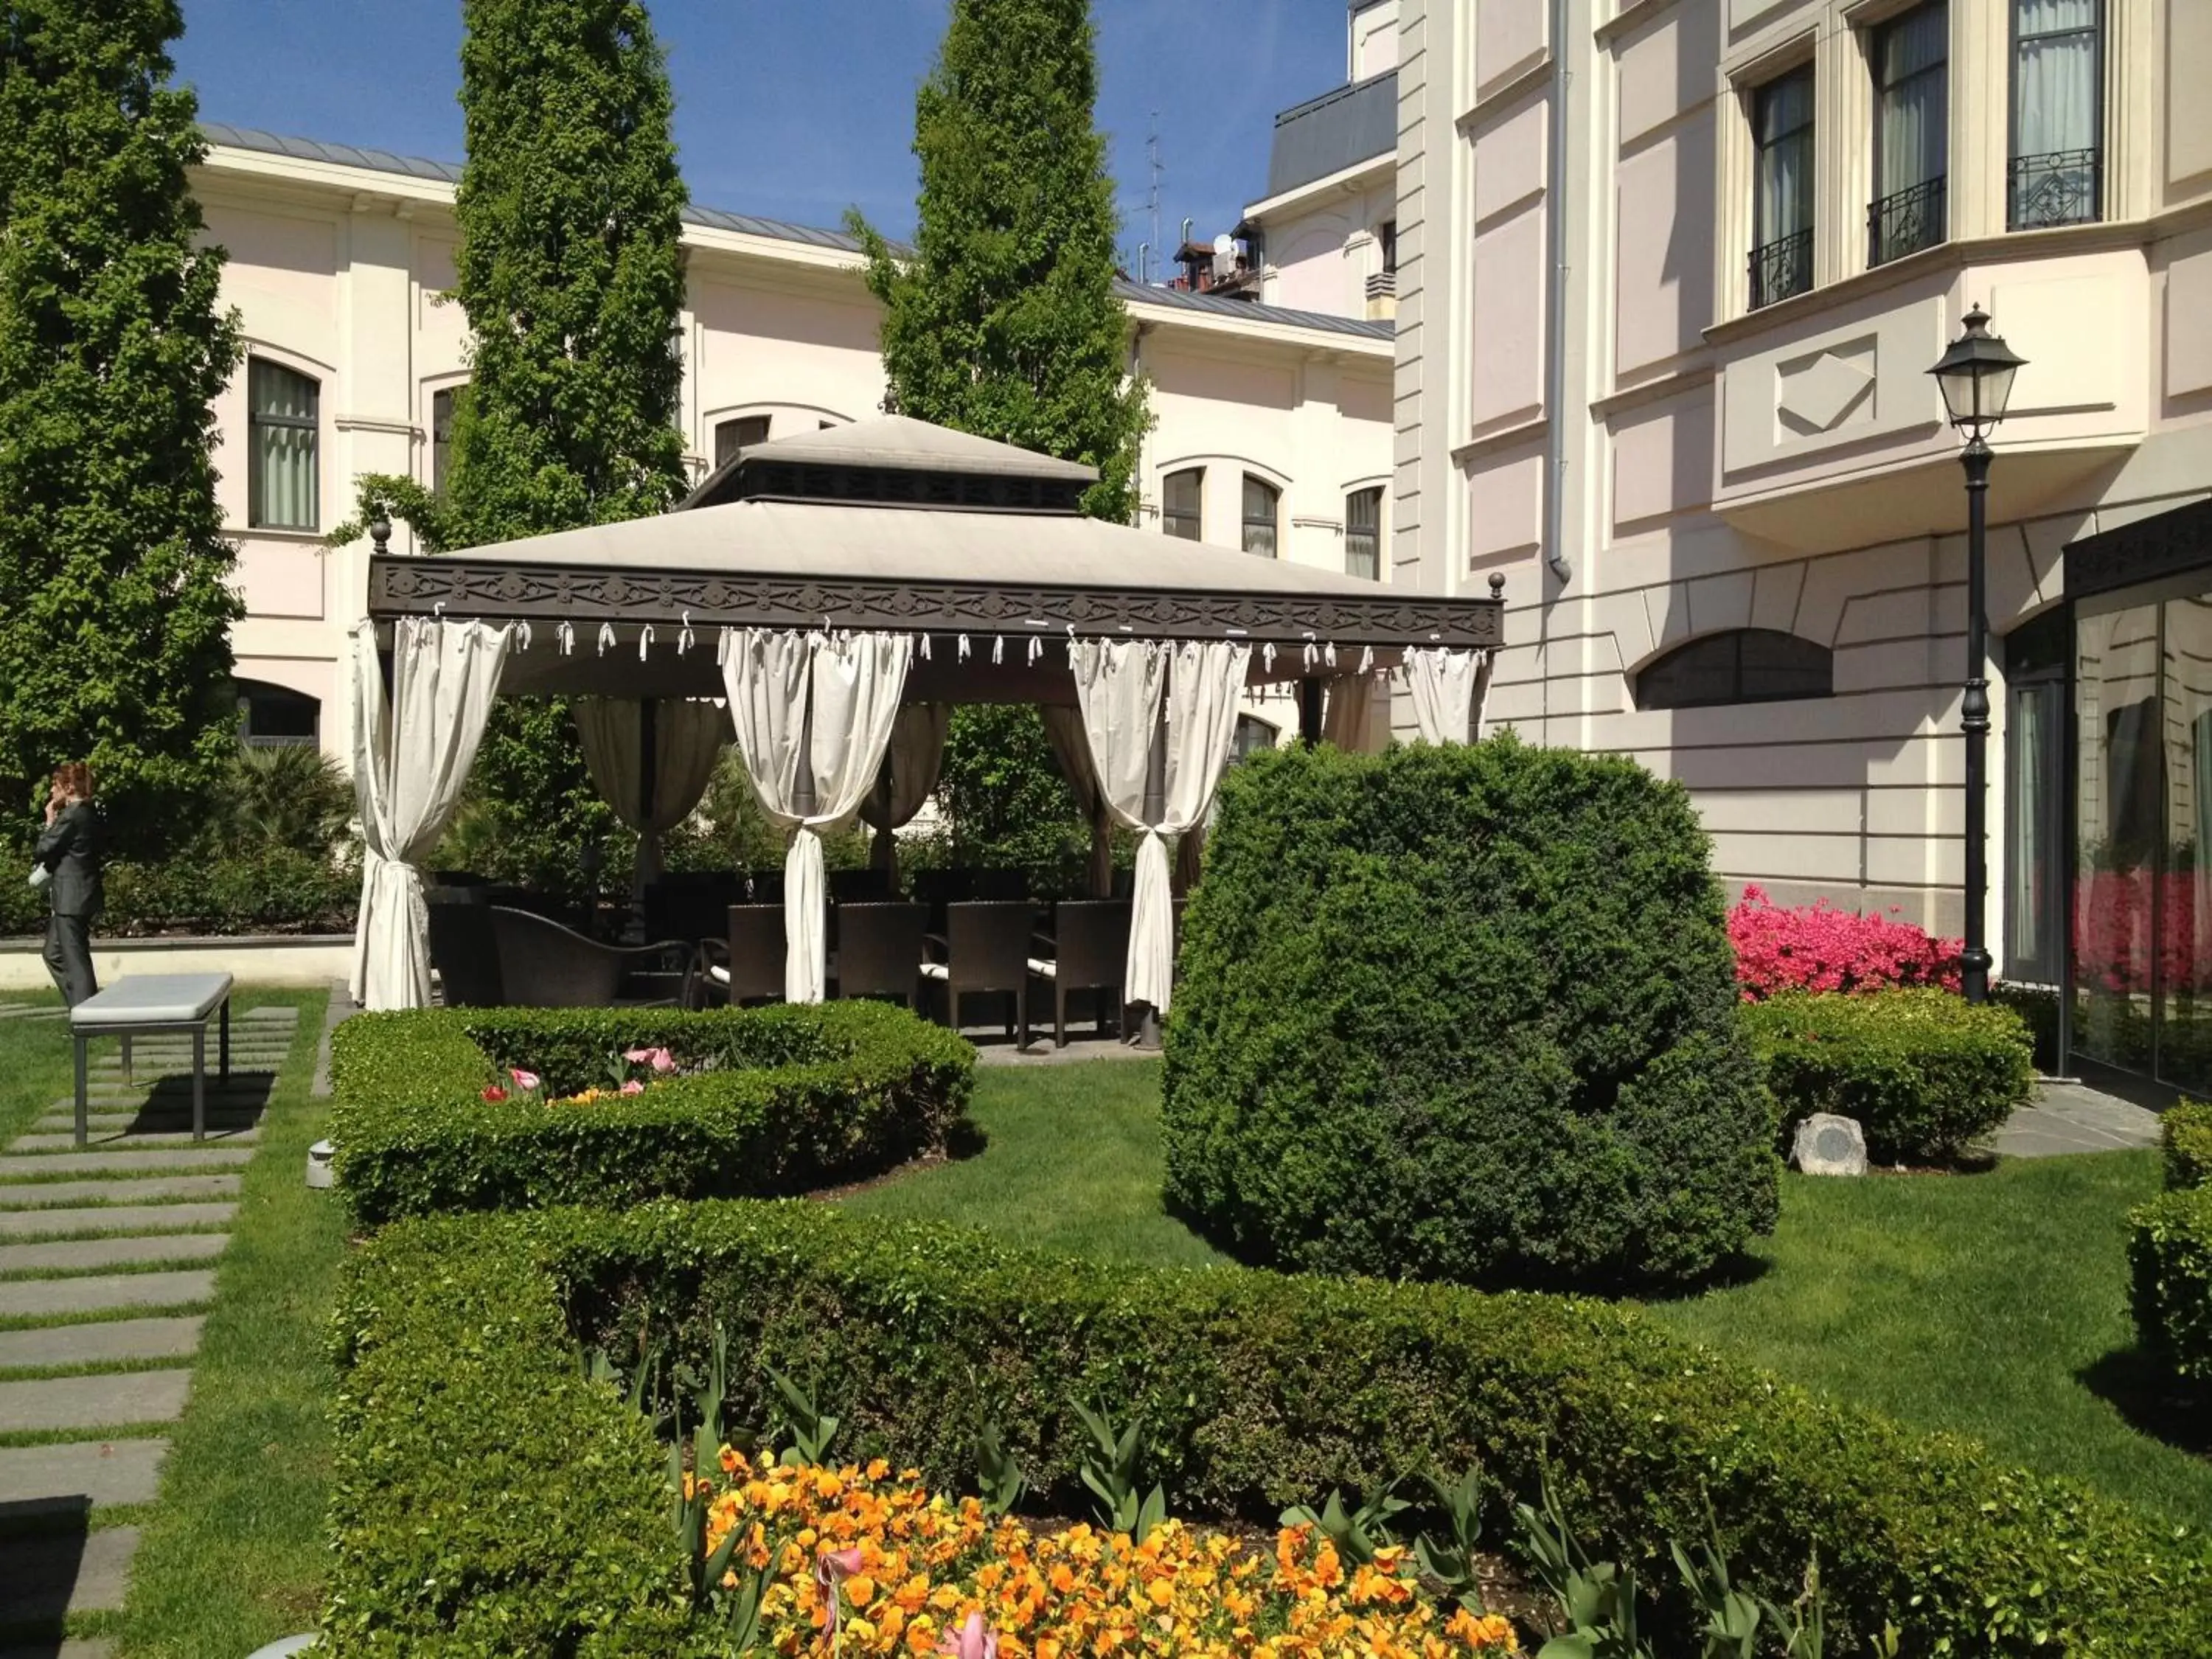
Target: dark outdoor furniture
992	886
463	947
765	887
880	949
543	964
986	952
1089	952
869	886
691	905
748	963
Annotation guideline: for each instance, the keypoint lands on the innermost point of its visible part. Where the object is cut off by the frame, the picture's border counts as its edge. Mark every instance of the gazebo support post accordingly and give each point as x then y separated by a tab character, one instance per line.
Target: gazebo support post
1309	712
1155	807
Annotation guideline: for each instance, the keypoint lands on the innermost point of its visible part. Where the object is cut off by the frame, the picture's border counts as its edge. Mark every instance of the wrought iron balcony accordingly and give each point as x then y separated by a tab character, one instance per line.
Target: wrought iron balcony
2059	187
1781	268
1905	221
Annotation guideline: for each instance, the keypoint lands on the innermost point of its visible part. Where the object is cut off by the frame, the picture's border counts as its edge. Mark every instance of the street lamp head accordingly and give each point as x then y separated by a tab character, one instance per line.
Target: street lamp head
1975	375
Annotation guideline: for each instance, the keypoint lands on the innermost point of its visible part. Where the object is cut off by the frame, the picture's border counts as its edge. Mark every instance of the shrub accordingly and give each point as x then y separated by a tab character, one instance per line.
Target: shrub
2170	1252
1922	1071
221	887
456	1334
1463	1012
1818	947
797	1097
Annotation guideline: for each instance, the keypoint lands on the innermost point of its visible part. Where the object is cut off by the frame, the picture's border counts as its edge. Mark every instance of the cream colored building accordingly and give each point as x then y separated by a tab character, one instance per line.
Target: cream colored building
1272	423
1670	276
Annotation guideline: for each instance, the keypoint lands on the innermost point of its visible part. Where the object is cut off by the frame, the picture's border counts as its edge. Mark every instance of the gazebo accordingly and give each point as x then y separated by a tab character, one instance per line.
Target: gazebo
823	600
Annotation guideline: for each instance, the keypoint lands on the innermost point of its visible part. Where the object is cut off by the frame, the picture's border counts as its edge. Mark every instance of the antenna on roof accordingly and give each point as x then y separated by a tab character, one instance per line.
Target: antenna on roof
1152	200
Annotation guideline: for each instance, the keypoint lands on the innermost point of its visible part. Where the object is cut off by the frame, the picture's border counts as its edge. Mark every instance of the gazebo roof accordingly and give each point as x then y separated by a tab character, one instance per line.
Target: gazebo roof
897	524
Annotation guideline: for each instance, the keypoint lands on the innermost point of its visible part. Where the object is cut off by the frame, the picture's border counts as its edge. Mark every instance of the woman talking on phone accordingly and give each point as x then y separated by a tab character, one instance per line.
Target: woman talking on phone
68	867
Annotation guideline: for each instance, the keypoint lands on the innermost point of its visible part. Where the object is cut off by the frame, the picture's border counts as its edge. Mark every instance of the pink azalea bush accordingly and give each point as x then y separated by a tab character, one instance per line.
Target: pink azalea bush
1822	947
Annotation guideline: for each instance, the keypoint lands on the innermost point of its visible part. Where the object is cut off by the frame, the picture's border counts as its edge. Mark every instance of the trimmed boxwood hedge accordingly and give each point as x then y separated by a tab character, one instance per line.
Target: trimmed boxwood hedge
1464	1012
2170	1252
801	1097
457	1335
1924	1073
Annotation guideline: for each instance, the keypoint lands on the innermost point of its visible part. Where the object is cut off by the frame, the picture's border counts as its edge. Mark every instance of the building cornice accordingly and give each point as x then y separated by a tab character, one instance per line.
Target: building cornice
1346	181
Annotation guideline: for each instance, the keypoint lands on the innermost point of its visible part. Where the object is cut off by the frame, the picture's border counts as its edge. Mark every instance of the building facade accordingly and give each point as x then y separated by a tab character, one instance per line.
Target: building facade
1670	276
1272	425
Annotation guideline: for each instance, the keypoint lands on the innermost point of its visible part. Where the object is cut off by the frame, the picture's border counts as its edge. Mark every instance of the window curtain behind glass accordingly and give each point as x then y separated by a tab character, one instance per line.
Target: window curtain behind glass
1913	105
1785	202
283	421
2055	77
1261	498
2031	716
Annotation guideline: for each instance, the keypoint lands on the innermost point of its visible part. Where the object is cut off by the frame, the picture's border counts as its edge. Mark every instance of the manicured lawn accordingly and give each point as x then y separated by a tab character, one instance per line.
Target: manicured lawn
1992	1304
1073	1165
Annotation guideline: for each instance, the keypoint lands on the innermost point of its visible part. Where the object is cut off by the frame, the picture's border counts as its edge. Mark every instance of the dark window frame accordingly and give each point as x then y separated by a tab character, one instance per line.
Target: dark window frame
1272	523
445	405
1172	518
1782	260
259	421
276	700
1934	189
1372	530
1652	693
2015	162
735	432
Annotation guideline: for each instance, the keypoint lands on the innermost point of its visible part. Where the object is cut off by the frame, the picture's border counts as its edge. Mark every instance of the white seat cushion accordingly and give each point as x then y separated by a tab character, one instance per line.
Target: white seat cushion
935	970
1044	970
720	976
153	998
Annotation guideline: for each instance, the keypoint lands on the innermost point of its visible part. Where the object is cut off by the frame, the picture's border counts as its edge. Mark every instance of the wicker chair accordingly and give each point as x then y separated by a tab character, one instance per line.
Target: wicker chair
691	905
868	886
1089	952
543	964
463	948
986	952
880	951
749	968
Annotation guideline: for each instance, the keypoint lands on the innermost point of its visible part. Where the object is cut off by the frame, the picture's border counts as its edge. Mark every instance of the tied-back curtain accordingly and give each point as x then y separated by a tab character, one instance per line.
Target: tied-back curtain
1912	108
916	753
1063	729
1446	688
687	737
836	697
1123	686
411	759
2054	79
1348	716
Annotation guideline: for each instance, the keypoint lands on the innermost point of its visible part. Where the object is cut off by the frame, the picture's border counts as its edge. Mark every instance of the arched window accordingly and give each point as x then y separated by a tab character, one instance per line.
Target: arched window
283	484
1746	665
1363	533
741	433
275	716
1180	495
1261	501
1252	736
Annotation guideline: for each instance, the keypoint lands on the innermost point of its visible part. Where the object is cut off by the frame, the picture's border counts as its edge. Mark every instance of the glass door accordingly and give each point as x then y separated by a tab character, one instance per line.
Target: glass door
2118	795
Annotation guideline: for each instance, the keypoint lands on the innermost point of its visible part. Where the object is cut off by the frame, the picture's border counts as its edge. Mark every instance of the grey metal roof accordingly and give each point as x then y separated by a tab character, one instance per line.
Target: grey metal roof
1338	130
747	224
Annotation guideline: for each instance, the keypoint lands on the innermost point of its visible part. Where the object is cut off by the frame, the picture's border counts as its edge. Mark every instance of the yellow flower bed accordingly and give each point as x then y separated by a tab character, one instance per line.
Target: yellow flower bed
911	1566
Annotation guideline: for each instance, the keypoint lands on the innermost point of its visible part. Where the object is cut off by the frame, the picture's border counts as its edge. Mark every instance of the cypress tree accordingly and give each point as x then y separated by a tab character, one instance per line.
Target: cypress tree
1004	322
114	602
571	274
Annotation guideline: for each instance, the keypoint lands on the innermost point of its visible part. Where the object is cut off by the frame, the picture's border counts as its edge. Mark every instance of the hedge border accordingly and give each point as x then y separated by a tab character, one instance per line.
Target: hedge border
807	1097
2170	1251
455	1342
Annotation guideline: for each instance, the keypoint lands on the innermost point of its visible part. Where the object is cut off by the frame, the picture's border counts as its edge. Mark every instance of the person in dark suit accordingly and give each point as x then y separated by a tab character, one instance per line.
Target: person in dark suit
69	853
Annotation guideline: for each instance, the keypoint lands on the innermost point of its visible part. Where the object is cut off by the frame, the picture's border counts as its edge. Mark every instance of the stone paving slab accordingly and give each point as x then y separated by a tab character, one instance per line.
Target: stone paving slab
103	1471
154	1160
2072	1117
25	1197
159	1120
44	1298
83	1255
131	1139
102	1342
140	1217
69	1402
44	1579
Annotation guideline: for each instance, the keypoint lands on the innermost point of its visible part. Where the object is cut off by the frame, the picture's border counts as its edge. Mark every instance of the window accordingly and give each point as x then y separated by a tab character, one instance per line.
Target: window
1388	236
1912	107
276	717
1363	533
1261	501
2058	113
282	481
1782	205
1254	736
2035	760
441	438
1180	495
1750	665
730	436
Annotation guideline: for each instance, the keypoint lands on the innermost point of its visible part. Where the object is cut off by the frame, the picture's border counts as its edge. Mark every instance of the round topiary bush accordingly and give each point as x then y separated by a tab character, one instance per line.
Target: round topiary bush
1464	1012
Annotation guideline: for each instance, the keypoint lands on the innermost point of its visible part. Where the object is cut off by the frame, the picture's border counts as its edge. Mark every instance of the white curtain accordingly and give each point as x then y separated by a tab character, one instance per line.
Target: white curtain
1911	108
1063	729
917	751
1349	717
1122	686
1783	187
409	761
2055	109
686	739
1446	688
838	695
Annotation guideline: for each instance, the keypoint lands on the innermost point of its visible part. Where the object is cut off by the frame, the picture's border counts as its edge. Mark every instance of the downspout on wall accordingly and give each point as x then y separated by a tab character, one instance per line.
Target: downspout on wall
1555	343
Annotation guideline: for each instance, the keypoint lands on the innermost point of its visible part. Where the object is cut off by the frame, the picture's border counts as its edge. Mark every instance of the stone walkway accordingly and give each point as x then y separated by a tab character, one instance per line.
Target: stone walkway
106	1267
2073	1117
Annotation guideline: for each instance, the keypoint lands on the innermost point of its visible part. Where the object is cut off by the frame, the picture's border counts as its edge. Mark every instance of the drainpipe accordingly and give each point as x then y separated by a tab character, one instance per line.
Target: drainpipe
1555	233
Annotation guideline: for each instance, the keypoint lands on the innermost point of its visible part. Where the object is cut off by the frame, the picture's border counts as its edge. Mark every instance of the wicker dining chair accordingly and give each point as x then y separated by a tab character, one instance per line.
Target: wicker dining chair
463	948
880	948
986	952
747	966
543	964
1089	952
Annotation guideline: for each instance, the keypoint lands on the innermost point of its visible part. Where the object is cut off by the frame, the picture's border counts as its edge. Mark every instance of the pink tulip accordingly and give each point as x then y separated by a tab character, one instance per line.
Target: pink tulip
633	1087
662	1060
831	1569
522	1079
635	1055
973	1642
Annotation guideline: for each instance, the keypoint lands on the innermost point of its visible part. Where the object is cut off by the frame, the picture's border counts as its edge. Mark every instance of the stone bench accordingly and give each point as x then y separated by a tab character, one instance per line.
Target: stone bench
150	1004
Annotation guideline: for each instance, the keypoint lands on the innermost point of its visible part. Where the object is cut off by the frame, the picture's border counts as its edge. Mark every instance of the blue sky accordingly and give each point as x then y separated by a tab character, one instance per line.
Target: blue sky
796	110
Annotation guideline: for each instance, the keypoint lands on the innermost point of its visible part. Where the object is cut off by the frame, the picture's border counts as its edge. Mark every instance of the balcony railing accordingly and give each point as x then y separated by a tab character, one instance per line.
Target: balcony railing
2057	188
1781	268
1905	221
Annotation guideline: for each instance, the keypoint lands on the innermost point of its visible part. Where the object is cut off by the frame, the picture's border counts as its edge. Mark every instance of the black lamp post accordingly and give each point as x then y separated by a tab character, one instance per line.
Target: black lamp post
1975	376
